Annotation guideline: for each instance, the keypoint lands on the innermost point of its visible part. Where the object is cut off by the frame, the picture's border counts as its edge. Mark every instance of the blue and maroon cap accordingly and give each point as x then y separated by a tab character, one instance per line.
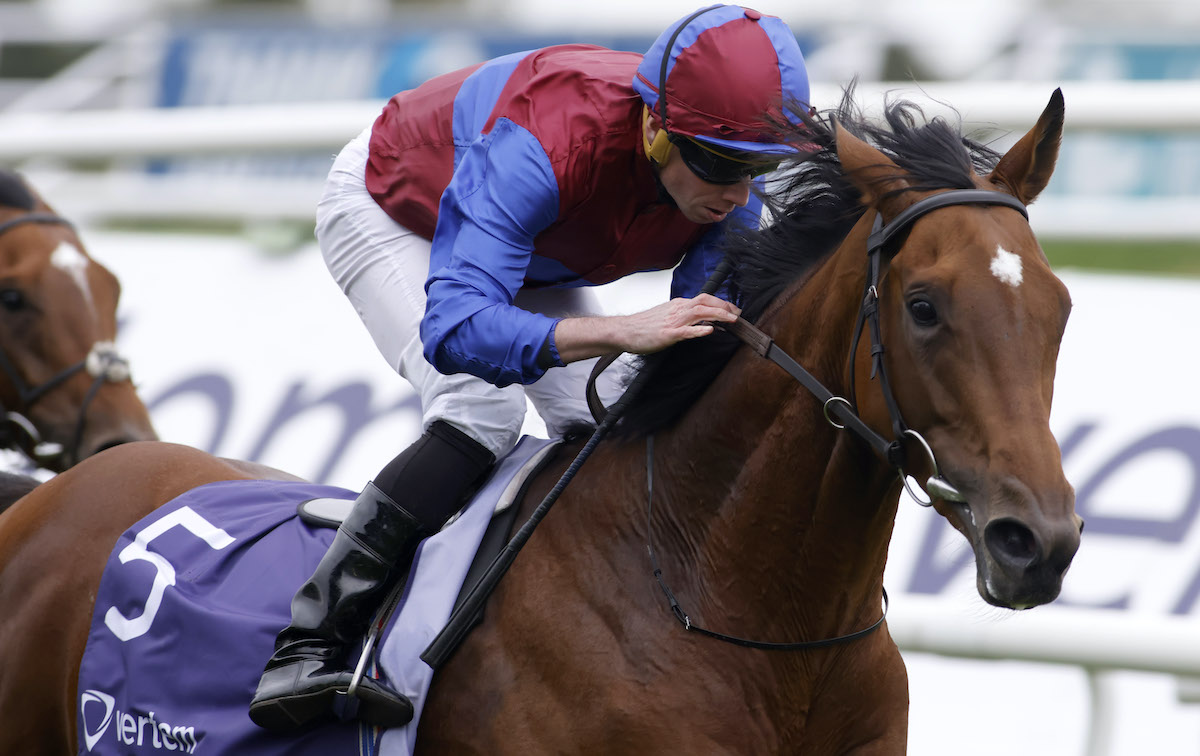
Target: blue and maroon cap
724	69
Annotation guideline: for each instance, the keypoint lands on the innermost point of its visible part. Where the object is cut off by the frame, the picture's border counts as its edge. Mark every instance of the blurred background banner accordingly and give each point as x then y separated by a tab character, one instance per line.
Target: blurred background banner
265	92
190	138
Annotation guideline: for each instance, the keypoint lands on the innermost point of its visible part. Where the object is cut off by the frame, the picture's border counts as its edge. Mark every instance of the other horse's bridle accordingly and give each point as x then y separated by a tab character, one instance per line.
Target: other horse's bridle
103	362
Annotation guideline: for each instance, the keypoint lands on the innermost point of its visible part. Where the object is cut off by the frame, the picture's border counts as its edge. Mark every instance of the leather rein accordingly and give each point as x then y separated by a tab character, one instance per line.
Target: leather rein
103	362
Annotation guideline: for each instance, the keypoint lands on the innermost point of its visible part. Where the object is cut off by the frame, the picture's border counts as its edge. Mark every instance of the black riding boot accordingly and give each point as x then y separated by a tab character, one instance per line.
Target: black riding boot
371	552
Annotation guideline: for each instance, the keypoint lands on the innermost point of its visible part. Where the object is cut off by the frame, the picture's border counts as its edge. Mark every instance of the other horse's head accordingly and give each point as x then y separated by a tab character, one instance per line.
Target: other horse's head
64	390
972	317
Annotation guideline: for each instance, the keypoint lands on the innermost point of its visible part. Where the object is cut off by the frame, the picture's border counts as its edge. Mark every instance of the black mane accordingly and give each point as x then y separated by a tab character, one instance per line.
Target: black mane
14	193
812	208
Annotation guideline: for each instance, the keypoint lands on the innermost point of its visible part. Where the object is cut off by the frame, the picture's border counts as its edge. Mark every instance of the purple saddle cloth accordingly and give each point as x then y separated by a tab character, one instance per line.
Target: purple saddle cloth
194	594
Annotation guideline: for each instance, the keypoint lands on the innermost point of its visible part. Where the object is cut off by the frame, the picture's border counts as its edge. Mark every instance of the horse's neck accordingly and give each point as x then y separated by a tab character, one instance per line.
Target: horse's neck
763	505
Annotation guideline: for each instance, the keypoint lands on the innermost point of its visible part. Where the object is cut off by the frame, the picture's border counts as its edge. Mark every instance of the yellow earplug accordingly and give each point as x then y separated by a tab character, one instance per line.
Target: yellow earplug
659	151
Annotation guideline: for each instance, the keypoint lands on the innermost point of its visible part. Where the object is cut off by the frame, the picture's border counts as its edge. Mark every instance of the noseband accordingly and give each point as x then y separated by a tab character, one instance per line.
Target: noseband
102	362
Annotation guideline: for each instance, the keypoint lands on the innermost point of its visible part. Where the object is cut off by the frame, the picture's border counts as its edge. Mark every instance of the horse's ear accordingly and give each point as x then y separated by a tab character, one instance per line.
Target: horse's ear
873	173
1025	170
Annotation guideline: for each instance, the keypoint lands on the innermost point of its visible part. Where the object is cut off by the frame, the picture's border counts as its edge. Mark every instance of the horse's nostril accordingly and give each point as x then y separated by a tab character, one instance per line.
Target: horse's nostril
1011	543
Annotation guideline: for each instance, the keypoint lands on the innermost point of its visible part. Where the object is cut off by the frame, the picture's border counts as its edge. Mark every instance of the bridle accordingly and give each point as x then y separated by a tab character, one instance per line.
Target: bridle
103	362
839	411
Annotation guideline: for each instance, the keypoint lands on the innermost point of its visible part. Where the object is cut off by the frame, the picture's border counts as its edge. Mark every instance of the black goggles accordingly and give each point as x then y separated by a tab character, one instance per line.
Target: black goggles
721	167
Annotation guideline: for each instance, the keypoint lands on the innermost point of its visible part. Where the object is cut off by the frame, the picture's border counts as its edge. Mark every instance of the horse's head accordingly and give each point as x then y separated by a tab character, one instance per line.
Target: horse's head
65	392
972	317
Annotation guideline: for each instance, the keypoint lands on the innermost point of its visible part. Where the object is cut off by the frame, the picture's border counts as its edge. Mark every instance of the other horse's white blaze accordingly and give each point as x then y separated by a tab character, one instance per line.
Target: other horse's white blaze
74	263
1007	267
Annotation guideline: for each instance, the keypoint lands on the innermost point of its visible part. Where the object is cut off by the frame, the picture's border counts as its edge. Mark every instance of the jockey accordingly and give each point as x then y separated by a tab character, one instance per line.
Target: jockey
464	226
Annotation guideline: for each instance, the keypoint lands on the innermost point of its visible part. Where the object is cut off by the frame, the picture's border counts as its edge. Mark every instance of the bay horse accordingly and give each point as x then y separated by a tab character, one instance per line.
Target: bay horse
65	391
767	521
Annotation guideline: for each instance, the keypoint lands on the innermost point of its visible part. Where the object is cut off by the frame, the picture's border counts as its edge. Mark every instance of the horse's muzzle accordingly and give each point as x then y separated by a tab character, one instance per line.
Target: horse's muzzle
1021	566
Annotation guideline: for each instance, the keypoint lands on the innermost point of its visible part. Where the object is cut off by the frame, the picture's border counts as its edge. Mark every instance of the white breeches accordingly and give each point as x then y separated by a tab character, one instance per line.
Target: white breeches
382	266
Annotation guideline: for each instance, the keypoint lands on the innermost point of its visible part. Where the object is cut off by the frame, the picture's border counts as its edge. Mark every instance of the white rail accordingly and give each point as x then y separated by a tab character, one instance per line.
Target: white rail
1171	106
43	143
1091	638
1098	641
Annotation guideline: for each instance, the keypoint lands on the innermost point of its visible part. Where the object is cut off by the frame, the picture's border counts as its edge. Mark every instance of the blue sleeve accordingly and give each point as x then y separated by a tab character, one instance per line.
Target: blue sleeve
503	193
702	259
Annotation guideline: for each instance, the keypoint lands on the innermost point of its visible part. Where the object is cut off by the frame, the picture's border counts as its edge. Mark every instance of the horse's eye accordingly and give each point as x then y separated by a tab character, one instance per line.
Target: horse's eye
923	312
12	299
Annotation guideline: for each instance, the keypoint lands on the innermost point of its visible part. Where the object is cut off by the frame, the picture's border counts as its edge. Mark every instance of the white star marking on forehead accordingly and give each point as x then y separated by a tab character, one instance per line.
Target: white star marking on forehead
75	264
1007	267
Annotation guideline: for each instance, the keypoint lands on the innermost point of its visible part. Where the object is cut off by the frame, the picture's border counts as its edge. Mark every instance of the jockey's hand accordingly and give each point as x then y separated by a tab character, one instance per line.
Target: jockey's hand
644	332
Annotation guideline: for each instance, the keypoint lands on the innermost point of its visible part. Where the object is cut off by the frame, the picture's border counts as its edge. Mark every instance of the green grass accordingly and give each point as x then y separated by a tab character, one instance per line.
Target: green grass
1171	258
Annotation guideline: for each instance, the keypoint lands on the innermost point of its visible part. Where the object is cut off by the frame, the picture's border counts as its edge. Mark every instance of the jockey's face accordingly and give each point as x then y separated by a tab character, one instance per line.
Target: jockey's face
698	200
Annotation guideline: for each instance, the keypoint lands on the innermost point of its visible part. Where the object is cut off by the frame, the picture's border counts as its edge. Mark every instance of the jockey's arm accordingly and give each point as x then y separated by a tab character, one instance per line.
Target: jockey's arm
644	332
480	252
